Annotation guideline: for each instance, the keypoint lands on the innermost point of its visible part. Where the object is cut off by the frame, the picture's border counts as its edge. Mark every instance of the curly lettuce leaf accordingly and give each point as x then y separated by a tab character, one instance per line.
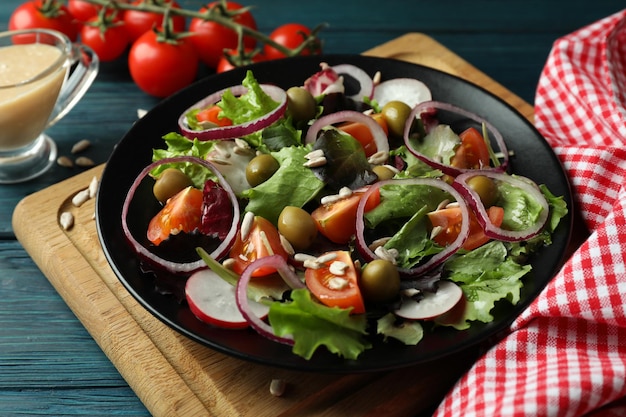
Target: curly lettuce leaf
313	325
408	332
179	145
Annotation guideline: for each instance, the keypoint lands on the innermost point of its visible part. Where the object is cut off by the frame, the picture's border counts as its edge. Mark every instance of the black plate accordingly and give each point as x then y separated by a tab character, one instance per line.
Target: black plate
533	158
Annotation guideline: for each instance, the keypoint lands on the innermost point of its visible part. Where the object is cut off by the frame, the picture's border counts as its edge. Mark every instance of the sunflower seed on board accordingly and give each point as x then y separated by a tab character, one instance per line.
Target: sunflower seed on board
66	220
80	197
278	387
93	187
80	146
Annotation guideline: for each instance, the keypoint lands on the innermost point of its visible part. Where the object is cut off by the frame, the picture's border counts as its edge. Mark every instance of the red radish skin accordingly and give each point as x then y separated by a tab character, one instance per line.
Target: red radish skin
213	301
432	305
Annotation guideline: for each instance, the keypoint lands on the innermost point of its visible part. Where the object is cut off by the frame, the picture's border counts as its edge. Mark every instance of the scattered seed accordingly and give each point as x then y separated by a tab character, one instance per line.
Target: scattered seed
377	77
278	387
80	146
286	245
378	242
443	204
80	198
64	161
391	168
385	254
345	192
93	187
436	230
316	162
410	292
329	199
141	113
337	283
240	143
312	264
378	158
318	153
246	225
83	161
228	263
266	243
66	220
327	257
302	257
338	268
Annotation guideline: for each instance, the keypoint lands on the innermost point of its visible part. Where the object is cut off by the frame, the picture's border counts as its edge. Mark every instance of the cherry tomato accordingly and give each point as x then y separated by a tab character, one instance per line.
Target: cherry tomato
225	65
290	35
55	16
109	42
363	134
255	246
472	153
212	114
449	219
138	22
181	213
82	11
161	68
211	38
336	290
337	221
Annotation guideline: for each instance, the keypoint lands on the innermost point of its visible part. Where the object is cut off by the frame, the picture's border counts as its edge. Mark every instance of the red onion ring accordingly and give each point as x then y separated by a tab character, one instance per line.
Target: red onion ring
366	83
492	231
447	169
274	261
171	266
435	260
380	138
234	131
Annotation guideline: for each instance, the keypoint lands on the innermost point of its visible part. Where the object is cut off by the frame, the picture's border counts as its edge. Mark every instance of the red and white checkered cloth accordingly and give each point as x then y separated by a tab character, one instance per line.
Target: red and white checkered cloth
566	354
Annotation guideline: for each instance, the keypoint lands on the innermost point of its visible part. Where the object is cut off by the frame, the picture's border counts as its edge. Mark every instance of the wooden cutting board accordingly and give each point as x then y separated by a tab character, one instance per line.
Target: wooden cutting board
174	376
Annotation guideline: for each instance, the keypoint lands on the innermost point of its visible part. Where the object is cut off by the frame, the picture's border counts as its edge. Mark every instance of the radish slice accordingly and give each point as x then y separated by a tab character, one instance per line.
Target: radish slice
235	131
435	260
213	301
380	138
180	267
366	85
427	107
408	90
433	304
492	231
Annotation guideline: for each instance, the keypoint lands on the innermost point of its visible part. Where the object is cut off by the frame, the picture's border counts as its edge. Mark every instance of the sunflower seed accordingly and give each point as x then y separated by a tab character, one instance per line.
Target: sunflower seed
318	153
338	268
80	146
327	257
93	187
286	245
278	387
64	161
246	225
80	198
66	220
337	283
316	162
83	161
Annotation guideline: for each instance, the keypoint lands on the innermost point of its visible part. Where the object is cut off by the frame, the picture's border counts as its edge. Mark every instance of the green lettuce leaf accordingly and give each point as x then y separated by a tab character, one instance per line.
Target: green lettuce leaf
313	325
408	332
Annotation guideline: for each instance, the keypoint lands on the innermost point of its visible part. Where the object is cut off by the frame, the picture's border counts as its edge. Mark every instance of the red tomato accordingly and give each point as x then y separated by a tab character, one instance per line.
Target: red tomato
472	153
363	134
55	16
337	221
450	220
108	45
212	115
255	246
211	38
161	68
336	290
138	22
82	10
224	64
181	213
290	35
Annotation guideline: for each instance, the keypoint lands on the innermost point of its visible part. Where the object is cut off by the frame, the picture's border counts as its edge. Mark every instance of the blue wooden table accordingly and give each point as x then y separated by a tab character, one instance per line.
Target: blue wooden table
49	364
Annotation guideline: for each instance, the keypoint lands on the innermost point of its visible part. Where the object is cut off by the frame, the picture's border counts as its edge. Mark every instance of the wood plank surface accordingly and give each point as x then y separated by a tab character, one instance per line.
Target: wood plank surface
174	376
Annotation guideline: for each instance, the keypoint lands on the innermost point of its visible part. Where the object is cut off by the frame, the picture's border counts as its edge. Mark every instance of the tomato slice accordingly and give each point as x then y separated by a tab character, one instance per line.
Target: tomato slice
449	219
472	153
263	240
336	290
363	134
212	114
181	213
337	221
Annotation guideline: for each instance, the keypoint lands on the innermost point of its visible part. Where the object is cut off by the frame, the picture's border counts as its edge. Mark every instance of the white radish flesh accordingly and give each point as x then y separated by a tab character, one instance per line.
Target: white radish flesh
432	304
407	90
212	300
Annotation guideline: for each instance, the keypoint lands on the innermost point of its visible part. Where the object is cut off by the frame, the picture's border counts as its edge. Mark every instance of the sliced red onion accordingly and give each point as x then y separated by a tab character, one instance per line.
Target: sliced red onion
366	84
273	261
380	138
408	90
427	107
171	266
234	131
325	81
492	231
435	260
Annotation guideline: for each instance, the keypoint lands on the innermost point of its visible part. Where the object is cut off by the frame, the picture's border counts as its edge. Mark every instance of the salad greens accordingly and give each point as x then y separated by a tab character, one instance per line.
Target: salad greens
486	275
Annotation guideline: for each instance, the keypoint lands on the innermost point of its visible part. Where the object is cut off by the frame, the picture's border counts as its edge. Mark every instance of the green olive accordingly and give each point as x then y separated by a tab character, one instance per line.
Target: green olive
301	104
485	188
383	173
297	226
169	183
261	168
380	281
395	114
